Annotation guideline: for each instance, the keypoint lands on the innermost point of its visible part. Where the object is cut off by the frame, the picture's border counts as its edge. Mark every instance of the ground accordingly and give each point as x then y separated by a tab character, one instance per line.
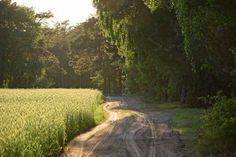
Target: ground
134	129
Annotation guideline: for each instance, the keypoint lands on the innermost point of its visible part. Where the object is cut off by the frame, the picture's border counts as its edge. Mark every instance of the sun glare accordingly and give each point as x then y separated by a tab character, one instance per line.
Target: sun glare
76	11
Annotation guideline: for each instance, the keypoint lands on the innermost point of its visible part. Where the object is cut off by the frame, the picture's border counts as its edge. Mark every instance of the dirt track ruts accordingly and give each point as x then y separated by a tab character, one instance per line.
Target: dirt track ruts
130	131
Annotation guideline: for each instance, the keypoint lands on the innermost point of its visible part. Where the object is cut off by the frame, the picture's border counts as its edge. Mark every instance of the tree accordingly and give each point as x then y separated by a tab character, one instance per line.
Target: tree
154	36
151	43
209	28
94	59
19	33
54	48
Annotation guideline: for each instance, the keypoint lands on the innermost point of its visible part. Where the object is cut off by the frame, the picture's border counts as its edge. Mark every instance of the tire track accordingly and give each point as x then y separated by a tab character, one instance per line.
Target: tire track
72	149
152	149
129	137
133	144
147	134
113	120
130	142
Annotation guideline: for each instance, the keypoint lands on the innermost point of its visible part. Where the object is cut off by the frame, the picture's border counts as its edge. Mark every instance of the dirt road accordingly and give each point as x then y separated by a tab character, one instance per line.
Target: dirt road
130	131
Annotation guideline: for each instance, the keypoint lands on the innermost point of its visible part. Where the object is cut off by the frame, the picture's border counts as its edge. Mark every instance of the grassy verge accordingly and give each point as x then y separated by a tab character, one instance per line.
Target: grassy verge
186	121
100	115
161	107
129	114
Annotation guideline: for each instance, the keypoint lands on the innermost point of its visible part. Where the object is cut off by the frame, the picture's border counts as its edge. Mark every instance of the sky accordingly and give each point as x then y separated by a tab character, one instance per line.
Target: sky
76	11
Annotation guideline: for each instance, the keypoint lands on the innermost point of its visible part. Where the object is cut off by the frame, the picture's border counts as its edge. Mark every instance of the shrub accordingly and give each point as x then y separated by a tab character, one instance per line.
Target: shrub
218	137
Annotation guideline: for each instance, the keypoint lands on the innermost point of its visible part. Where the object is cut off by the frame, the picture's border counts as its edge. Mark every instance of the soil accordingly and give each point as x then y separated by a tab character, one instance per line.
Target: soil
130	131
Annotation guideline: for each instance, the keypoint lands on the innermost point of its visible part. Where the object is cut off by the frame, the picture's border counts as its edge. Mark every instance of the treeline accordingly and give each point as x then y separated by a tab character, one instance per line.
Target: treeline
33	55
174	50
167	50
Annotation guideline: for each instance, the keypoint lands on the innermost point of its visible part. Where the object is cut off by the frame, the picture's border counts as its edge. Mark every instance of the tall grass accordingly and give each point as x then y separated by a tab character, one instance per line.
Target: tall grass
38	122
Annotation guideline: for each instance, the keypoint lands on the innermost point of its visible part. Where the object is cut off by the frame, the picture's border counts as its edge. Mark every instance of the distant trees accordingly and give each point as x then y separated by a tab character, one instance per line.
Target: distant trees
19	56
94	59
32	55
54	48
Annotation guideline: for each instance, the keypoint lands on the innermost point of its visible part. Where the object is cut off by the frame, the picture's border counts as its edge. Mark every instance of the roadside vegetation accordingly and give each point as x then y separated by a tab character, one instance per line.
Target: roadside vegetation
187	122
100	115
218	137
205	132
38	122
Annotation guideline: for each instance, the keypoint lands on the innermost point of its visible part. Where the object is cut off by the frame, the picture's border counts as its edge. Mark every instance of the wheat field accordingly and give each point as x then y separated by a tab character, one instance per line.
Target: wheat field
38	122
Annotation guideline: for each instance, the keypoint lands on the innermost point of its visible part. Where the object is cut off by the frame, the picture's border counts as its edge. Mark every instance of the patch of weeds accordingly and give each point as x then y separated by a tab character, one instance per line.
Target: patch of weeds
100	115
129	114
186	121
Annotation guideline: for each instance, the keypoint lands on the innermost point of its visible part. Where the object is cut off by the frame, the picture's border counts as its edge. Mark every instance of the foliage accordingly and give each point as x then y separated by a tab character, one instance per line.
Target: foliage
54	48
151	43
100	115
208	27
218	138
39	122
19	33
173	49
187	122
61	56
94	59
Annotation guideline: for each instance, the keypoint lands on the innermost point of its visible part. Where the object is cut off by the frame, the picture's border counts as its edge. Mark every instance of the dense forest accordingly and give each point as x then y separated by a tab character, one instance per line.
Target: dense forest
163	50
174	50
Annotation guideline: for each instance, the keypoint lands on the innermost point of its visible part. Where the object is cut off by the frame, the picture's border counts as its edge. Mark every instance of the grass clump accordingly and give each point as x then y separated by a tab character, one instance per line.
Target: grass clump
100	115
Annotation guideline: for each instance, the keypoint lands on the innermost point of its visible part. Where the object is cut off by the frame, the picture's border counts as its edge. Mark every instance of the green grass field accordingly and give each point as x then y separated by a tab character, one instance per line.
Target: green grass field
38	122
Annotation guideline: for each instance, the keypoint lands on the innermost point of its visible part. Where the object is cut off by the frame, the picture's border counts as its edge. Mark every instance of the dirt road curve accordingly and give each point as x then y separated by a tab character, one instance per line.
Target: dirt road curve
129	132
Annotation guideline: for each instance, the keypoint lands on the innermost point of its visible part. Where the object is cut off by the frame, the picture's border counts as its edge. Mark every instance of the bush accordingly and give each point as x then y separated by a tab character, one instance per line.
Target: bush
218	137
